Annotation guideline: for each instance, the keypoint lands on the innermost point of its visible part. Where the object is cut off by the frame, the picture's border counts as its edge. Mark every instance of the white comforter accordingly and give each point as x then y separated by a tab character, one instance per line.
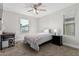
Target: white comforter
35	39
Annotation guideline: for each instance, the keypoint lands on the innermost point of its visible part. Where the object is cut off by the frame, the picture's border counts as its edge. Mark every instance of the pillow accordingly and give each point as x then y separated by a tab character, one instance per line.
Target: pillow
46	31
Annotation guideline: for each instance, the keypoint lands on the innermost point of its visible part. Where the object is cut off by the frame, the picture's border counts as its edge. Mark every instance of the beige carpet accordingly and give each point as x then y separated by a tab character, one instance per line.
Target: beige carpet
47	49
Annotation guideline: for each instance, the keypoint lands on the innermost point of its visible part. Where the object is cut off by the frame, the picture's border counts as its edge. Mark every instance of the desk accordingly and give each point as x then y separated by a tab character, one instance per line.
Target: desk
10	37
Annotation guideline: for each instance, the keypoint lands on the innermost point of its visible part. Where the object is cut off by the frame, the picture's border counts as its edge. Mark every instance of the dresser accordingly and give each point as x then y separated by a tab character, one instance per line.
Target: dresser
57	40
7	40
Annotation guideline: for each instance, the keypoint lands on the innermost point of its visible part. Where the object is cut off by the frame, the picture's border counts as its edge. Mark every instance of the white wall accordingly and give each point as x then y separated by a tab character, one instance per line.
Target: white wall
1	10
1	13
11	23
51	21
0	17
55	20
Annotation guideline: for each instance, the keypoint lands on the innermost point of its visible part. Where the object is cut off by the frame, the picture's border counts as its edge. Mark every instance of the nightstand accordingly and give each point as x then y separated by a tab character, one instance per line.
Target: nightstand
57	40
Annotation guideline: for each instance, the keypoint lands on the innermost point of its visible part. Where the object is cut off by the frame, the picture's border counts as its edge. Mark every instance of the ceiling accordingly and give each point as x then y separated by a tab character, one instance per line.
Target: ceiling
22	8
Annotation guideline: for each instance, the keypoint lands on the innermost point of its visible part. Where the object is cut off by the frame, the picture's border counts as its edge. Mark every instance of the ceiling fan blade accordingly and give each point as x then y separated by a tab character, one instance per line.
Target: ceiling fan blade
42	9
39	4
29	10
37	13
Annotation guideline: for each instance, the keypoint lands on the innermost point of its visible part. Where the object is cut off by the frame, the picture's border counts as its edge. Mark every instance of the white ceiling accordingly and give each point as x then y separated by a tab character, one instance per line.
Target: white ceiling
23	7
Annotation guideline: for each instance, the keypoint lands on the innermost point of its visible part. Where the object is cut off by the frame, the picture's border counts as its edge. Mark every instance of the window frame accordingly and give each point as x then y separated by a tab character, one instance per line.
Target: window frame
67	23
26	26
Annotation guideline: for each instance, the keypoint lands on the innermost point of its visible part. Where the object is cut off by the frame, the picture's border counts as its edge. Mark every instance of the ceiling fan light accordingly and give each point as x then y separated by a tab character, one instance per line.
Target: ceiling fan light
34	10
37	11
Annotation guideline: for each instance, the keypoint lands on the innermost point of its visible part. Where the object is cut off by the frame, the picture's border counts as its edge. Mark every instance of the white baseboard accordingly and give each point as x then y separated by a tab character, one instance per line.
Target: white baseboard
71	45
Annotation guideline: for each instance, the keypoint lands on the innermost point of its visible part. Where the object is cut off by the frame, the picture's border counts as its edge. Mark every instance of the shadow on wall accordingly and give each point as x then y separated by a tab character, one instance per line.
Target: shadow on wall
1	12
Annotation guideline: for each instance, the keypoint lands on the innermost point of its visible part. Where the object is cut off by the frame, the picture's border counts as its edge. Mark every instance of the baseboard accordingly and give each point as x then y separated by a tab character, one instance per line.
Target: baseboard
19	41
71	45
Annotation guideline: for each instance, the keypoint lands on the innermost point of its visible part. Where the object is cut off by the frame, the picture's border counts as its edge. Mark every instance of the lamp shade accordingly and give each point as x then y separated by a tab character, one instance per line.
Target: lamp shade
55	30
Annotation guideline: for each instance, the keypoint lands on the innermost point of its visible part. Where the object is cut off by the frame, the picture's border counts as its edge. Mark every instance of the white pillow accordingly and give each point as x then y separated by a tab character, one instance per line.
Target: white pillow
46	31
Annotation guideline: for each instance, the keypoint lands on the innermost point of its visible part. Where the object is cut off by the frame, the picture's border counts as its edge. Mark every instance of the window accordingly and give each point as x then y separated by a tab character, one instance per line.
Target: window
24	25
69	27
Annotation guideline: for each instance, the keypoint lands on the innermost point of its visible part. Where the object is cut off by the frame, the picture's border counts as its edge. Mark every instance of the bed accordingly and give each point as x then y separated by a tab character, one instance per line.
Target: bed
36	39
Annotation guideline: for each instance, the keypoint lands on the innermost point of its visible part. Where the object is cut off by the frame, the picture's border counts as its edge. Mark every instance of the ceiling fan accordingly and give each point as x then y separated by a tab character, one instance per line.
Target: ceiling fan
35	8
